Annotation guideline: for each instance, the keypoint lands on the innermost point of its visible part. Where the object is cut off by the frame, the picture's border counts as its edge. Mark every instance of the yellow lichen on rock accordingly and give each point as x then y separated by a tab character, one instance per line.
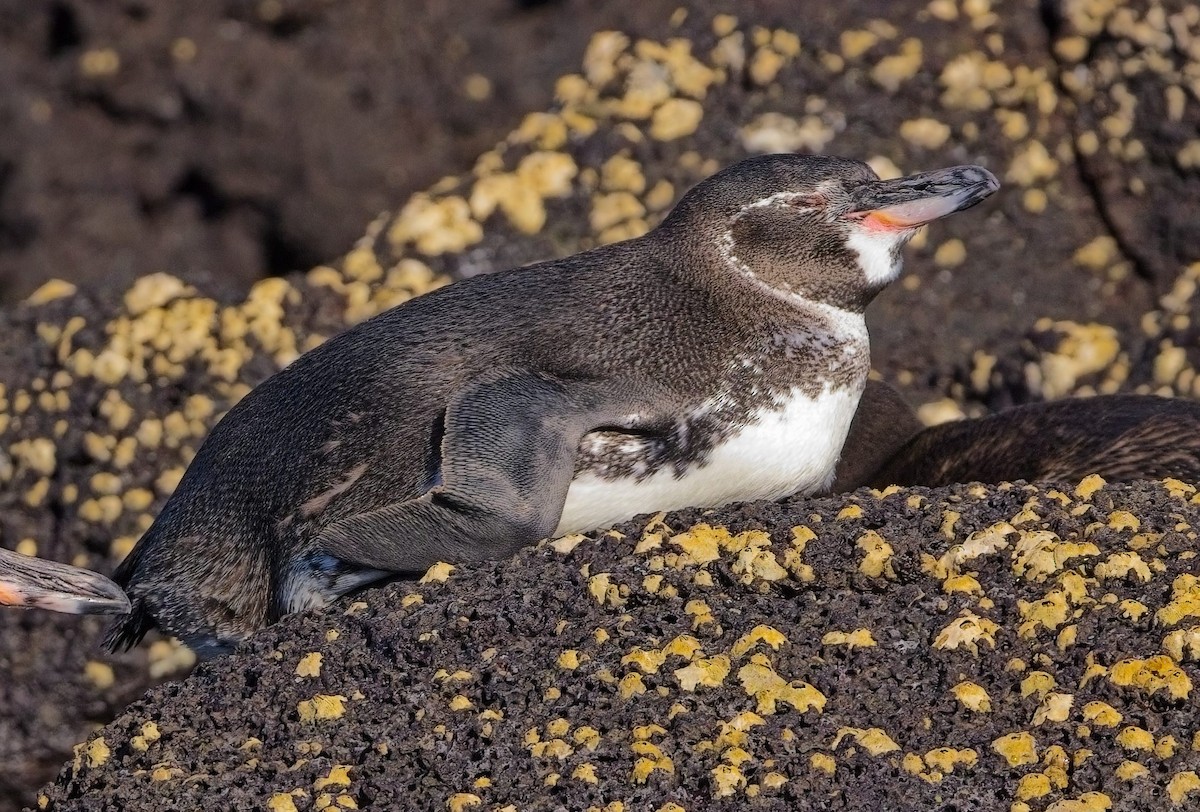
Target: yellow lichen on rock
1041	553
874	740
859	638
1130	771
759	634
758	564
1183	785
438	573
436	226
823	762
1083	350
1119	565
1158	673
1087	802
320	707
967	631
1135	738
1185	600
49	291
946	759
775	132
894	70
704	671
1183	644
309	665
702	542
759	680
1055	707
877	559
1018	749
285	801
1037	682
675	119
980	543
94	753
1049	613
648	662
972	696
1101	714
462	801
727	779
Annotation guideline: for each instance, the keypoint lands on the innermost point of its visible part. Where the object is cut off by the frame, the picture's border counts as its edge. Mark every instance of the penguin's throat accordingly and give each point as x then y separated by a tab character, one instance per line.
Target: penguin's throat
878	251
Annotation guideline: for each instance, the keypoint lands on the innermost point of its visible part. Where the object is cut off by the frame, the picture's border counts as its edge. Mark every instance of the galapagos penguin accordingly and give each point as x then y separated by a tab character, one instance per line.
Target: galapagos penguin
718	358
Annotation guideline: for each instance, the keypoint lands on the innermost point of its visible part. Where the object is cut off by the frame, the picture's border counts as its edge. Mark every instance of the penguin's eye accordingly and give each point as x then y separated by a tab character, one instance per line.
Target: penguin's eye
816	200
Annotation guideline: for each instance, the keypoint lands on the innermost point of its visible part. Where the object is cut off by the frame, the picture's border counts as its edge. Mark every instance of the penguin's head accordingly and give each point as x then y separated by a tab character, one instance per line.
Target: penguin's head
817	227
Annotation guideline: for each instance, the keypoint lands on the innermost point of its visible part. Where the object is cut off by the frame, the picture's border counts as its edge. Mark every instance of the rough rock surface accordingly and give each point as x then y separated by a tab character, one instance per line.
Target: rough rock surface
107	394
965	648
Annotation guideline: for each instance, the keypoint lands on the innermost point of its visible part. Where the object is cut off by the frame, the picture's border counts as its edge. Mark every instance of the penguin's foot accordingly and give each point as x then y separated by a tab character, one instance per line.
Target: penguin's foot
37	583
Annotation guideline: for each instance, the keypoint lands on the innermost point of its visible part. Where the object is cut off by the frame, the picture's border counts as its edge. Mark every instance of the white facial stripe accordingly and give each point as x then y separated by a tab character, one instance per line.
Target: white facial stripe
770	200
878	254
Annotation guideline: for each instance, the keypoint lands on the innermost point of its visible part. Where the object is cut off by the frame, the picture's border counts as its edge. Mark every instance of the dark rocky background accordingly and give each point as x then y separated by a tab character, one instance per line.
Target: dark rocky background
225	142
233	140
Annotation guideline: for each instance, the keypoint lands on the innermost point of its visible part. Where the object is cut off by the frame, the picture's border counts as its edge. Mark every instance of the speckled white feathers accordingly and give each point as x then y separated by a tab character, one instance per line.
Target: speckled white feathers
791	449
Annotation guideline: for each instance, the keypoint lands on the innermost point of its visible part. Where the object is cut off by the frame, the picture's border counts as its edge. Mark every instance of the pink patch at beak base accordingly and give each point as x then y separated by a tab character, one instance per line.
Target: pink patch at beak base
912	214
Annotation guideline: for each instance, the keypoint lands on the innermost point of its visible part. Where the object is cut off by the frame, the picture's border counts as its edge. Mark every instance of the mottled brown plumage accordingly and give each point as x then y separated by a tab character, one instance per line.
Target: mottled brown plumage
1119	437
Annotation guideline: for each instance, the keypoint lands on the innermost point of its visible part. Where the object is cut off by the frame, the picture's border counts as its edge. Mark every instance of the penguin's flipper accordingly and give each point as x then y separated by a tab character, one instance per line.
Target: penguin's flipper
35	583
507	460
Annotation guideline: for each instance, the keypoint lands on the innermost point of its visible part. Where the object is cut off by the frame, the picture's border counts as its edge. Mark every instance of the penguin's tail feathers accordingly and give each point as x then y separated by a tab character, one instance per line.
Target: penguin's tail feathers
36	583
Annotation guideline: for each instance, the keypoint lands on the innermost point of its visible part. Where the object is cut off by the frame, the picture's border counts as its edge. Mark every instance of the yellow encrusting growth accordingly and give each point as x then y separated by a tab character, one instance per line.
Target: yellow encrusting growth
1131	770
1183	644
438	573
1185	600
759	634
1017	749
967	631
1101	714
1037	682
823	762
972	696
1055	707
1183	785
1087	802
320	707
462	801
759	680
1158	673
704	671
873	740
1135	738
309	665
859	638
1119	565
877	561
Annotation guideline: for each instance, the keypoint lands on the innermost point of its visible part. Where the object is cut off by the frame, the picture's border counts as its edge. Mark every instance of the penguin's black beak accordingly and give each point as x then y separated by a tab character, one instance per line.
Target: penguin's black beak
915	200
37	583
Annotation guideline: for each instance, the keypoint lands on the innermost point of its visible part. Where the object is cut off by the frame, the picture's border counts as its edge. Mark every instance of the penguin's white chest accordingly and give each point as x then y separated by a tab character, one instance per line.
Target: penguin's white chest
792	448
